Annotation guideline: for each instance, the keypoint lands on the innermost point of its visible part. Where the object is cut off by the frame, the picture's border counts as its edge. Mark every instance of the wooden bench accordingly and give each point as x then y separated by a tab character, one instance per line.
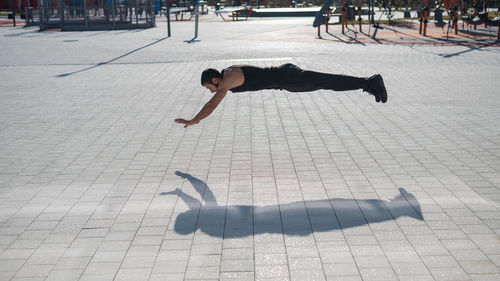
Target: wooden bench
235	12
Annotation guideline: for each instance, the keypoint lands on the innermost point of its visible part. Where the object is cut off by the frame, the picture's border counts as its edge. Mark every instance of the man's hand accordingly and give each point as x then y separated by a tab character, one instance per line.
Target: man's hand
186	122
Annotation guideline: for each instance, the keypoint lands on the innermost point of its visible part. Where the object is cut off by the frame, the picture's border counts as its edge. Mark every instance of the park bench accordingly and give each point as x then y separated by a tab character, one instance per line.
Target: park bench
235	12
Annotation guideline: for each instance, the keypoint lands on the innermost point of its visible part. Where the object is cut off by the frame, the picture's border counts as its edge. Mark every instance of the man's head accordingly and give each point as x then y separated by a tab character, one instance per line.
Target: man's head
210	79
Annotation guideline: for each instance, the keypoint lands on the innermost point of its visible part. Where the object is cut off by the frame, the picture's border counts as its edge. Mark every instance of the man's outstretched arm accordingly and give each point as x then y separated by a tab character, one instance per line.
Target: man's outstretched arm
209	107
232	78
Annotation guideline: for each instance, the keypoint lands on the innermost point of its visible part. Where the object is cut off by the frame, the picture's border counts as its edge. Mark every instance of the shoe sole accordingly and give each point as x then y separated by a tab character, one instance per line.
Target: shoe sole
383	95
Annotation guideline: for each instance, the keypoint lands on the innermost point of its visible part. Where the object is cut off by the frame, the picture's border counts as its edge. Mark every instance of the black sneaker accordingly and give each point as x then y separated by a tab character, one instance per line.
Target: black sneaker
376	87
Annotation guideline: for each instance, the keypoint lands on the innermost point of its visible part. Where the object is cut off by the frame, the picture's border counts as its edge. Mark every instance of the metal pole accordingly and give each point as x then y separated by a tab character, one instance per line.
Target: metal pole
113	11
11	2
197	12
85	14
421	19
152	12
455	15
61	12
168	18
359	15
371	10
344	15
40	14
426	15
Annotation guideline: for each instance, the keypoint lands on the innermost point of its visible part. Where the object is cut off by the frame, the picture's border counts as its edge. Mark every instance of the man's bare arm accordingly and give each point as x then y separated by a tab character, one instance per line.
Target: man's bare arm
210	106
233	78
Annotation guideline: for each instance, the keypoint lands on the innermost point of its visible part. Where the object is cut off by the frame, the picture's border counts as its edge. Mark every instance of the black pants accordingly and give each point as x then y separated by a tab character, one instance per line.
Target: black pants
294	79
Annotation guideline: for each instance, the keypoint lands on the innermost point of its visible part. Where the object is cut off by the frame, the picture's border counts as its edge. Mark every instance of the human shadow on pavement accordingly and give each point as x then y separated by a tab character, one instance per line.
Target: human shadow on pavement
111	60
296	218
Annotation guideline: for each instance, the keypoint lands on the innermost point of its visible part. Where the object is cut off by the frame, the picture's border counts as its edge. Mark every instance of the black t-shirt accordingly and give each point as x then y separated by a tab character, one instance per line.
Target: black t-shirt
261	78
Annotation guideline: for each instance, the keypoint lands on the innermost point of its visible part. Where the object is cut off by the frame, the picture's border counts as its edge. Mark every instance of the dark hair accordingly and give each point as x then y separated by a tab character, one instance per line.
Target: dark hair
208	74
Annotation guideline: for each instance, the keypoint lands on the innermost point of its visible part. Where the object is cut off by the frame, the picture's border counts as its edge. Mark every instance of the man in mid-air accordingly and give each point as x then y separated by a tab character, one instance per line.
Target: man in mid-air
243	78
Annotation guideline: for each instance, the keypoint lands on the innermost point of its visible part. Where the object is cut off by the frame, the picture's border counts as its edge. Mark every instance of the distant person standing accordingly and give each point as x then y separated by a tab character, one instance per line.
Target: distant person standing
243	78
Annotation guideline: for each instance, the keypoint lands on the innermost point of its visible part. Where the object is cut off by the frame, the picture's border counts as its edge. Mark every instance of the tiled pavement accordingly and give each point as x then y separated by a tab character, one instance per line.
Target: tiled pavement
98	183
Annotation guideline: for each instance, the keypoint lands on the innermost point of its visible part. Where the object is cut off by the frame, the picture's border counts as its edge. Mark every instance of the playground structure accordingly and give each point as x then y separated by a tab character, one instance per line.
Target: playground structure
87	14
347	13
470	12
479	15
127	14
26	9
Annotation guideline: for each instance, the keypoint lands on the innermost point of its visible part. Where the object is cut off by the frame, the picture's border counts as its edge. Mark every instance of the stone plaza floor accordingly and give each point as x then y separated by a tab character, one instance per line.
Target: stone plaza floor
98	183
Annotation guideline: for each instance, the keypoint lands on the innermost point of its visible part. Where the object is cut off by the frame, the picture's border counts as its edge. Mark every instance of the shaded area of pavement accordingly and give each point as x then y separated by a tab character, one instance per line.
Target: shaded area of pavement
295	218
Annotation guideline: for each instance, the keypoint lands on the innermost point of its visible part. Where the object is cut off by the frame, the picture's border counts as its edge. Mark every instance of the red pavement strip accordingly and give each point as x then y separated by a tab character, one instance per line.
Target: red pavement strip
10	23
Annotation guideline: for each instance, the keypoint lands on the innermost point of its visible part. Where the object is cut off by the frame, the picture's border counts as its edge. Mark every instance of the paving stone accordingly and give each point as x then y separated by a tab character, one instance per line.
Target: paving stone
61	275
341	269
133	274
449	274
34	271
